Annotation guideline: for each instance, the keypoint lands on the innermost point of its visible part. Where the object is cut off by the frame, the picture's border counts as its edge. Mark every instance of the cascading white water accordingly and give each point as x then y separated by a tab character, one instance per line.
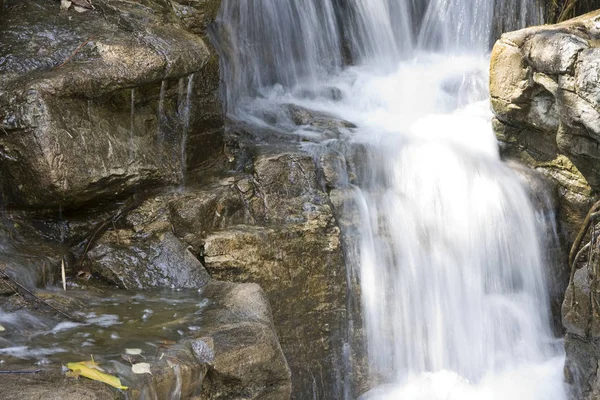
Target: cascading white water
270	42
459	25
380	30
450	261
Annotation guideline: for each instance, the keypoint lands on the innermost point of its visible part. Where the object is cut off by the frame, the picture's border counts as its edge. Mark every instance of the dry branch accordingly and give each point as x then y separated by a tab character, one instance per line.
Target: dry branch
575	254
81	46
20	289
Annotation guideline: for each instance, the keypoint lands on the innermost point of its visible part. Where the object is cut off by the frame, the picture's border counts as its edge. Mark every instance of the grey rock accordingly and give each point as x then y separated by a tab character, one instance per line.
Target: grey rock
155	261
248	361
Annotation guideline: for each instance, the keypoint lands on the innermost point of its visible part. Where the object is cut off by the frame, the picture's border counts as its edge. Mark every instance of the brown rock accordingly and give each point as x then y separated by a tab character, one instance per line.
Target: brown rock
113	85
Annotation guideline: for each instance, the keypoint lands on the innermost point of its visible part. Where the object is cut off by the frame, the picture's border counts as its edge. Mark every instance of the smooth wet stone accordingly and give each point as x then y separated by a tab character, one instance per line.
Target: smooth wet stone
110	120
156	261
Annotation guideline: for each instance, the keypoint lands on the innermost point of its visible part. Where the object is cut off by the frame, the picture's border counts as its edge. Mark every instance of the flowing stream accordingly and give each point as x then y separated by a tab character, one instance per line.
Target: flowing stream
449	251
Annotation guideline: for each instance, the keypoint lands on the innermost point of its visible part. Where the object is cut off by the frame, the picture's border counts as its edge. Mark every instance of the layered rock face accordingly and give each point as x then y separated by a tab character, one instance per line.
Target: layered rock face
545	92
269	224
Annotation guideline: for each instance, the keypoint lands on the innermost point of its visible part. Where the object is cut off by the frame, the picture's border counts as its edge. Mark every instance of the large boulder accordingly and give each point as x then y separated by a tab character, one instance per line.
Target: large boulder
98	104
544	92
153	262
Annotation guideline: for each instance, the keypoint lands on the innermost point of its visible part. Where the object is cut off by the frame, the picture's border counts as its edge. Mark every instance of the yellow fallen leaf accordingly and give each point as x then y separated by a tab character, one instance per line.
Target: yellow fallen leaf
91	364
84	370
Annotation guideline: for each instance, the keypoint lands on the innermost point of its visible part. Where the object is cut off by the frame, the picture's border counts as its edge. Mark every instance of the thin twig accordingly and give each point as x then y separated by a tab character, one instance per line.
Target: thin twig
129	204
575	254
566	13
582	232
116	232
18	287
63	273
582	252
81	46
44	274
35	371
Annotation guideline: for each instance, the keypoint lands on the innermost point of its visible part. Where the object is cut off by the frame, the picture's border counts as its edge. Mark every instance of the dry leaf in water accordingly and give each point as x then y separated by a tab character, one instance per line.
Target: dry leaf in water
133	352
92	364
141	368
83	369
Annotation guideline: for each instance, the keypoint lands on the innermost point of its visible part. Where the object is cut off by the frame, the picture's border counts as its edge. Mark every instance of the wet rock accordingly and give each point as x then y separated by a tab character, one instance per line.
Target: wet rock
582	341
155	261
326	124
581	318
293	250
120	84
240	346
581	368
151	246
577	307
28	257
304	116
272	225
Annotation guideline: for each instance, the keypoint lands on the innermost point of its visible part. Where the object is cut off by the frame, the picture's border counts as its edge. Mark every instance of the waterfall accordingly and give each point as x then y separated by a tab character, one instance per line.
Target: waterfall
185	108
268	42
471	25
449	256
379	30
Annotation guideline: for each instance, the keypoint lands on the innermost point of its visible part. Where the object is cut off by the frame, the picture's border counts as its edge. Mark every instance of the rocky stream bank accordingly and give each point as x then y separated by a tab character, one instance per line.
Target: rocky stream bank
116	163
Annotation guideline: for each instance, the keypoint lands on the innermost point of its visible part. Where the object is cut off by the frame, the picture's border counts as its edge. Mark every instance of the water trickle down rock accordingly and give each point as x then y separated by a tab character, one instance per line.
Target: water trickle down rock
95	103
